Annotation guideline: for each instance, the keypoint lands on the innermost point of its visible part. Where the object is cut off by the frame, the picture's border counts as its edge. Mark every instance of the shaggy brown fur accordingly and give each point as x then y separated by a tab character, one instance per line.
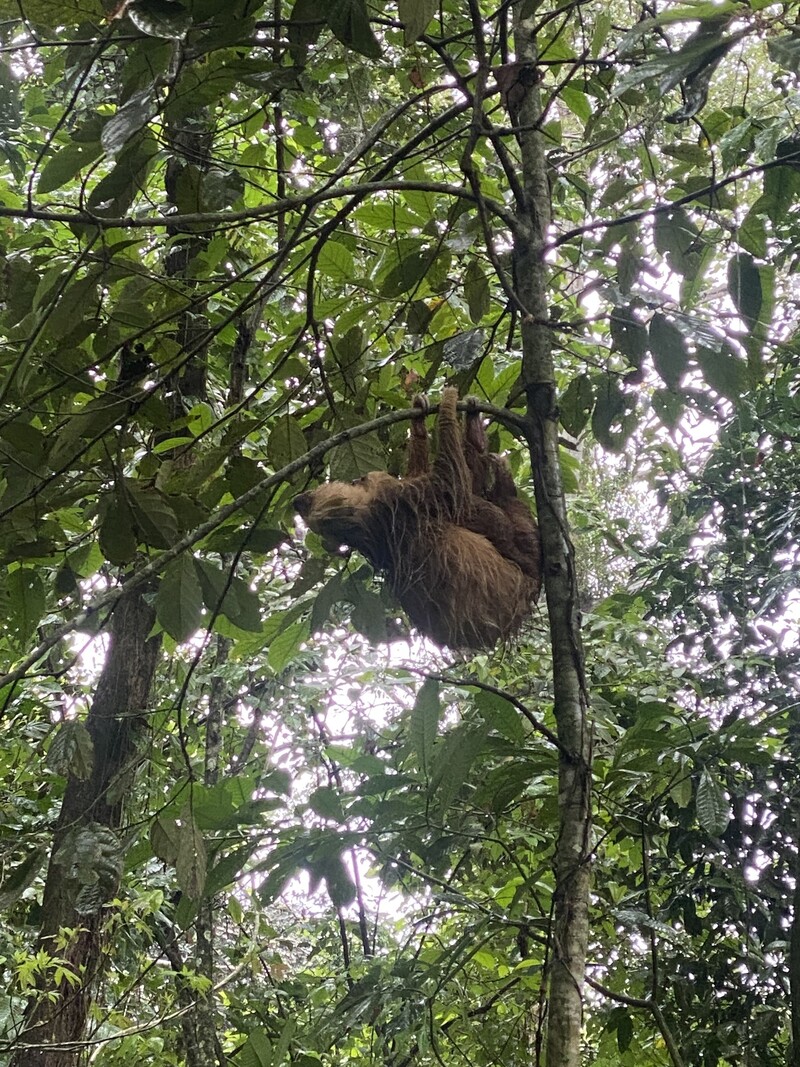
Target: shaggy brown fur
458	546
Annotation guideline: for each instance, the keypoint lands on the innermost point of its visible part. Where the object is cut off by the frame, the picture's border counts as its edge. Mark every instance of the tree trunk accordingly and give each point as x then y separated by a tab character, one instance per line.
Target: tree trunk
53	1026
209	1051
570	931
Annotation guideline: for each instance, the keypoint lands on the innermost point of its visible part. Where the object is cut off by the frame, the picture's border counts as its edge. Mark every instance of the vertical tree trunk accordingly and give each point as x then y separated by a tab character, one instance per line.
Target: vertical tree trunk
208	1050
570	930
56	1018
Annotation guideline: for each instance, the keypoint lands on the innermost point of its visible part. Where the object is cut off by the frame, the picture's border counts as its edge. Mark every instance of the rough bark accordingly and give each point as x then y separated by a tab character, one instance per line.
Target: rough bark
570	929
53	1026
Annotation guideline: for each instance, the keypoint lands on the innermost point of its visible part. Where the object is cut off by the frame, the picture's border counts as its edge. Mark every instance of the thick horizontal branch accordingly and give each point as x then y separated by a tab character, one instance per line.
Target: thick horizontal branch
193	220
109	599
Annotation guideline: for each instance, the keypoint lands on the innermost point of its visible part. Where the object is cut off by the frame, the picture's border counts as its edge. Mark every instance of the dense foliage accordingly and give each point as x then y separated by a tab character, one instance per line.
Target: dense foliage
246	815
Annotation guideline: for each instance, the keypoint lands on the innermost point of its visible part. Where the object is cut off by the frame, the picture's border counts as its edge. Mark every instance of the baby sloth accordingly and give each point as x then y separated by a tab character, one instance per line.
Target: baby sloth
459	548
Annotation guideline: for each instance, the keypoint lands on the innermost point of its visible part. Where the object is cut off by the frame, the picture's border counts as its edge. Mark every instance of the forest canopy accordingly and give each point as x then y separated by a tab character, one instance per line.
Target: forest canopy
249	815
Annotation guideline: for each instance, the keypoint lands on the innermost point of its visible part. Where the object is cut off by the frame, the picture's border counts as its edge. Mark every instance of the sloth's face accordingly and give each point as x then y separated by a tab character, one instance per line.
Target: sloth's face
338	511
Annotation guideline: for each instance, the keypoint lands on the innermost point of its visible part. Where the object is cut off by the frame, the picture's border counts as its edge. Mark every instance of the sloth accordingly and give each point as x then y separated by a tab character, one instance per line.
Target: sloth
459	548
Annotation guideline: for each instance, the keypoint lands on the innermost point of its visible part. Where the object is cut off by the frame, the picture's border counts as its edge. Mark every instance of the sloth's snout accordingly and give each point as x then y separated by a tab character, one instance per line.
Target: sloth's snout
302	505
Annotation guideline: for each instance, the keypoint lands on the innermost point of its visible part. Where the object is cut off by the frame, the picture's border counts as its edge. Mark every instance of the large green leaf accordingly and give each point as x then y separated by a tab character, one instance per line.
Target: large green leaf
576	404
191	862
713	808
129	119
66	163
500	715
71	751
350	22
613	418
306	22
416	15
424	723
453	761
179	603
744	286
669	350
406	273
26	601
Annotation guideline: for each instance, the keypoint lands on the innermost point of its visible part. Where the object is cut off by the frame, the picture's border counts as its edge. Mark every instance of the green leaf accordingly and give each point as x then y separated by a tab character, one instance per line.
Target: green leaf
165	836
154	518
424	723
576	404
781	193
677	238
744	286
325	802
504	785
713	809
71	751
260	540
114	193
681	792
369	614
476	290
26	601
724	372
628	334
500	715
785	51
224	805
668	406
602	28
416	16
257	1050
286	441
191	861
283	647
20	877
129	119
669	350
116	534
330	594
624	1032
179	601
463	349
703	50
350	23
66	163
160	18
284	1041
225	872
406	274
354	459
752	235
338	880
220	188
306	22
577	102
335	261
229	595
90	857
613	418
453	761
